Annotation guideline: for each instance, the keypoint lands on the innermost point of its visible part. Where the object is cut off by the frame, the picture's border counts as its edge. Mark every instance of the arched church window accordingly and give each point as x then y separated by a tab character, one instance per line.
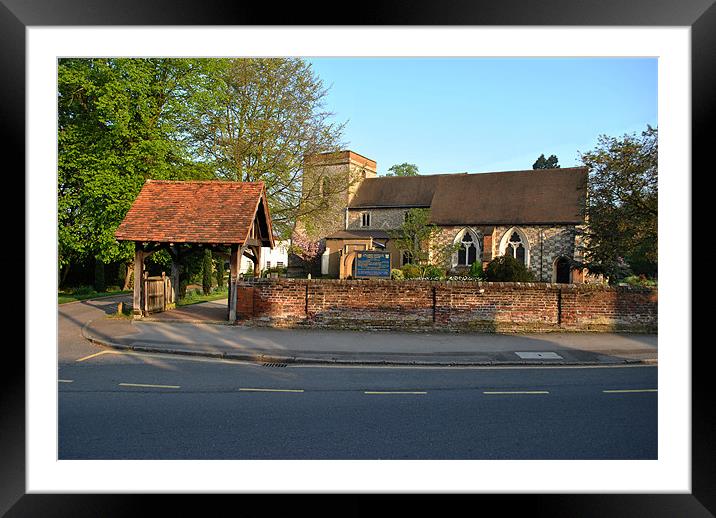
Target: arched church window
514	243
467	252
515	247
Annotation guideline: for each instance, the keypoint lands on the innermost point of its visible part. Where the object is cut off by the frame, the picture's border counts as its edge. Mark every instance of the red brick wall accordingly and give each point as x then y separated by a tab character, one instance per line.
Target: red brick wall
245	302
273	300
497	306
446	306
596	308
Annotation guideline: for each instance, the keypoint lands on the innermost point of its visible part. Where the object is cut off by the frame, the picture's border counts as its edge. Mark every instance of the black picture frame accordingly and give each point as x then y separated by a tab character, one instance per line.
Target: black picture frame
700	15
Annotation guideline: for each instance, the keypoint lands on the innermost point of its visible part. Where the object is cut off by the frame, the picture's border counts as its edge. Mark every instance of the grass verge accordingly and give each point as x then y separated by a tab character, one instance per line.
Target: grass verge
195	296
63	297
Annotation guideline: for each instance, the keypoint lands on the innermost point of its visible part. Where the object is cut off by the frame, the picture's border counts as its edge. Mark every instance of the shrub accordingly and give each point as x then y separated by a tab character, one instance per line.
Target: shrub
81	290
640	280
476	270
507	269
411	271
434	272
396	274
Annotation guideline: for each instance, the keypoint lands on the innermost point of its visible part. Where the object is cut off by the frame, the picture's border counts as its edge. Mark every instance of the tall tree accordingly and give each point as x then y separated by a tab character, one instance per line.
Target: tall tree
622	205
546	163
207	269
219	265
403	169
262	117
119	123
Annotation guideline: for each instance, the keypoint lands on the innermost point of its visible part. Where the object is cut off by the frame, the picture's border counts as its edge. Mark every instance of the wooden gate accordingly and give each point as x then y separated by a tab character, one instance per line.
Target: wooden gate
156	294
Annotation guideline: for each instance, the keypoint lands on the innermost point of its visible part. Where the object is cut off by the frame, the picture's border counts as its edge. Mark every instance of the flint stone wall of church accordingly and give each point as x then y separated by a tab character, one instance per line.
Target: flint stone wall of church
546	243
380	219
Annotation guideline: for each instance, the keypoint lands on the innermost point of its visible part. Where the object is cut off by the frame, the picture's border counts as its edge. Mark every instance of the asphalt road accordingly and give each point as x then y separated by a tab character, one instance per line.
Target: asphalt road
72	317
127	406
116	405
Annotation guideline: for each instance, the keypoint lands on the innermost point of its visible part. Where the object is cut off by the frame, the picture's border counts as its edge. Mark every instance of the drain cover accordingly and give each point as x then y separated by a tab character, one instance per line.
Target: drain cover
539	356
274	364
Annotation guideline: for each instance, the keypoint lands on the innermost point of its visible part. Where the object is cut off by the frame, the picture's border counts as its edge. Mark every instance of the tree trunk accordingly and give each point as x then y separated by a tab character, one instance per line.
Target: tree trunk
65	271
128	277
99	282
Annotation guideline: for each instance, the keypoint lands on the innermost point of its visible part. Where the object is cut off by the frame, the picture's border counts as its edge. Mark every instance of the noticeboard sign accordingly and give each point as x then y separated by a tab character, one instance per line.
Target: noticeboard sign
371	264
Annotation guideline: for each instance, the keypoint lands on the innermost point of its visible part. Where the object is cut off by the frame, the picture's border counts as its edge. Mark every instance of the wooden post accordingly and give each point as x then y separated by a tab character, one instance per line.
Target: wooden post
164	291
257	260
138	267
234	265
174	293
145	274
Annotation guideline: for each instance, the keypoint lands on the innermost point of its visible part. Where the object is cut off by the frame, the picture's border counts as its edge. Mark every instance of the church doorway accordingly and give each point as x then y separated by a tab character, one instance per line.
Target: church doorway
562	271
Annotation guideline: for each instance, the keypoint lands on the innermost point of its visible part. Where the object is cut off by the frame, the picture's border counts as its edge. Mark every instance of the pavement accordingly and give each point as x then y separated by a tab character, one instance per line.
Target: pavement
197	330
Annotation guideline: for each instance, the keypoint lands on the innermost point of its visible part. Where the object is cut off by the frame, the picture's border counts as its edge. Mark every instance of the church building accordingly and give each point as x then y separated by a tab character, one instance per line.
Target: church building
533	215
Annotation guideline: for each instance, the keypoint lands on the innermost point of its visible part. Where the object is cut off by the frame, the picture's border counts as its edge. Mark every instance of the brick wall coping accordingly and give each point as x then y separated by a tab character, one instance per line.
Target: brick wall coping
459	284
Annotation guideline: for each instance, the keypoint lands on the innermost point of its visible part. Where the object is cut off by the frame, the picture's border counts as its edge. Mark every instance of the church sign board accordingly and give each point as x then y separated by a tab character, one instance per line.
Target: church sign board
371	264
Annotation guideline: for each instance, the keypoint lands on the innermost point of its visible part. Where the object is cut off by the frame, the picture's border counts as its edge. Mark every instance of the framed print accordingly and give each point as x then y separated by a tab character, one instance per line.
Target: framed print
35	34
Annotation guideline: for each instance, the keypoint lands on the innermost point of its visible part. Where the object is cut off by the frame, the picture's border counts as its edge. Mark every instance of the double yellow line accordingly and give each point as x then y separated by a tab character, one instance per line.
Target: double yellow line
376	392
147	385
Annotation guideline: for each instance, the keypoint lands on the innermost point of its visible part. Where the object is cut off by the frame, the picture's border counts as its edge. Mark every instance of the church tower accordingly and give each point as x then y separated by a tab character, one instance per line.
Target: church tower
330	180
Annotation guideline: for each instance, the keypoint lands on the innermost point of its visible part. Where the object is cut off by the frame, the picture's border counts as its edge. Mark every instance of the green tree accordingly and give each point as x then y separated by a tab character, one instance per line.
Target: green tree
622	205
403	169
415	235
120	122
220	272
207	269
263	115
546	163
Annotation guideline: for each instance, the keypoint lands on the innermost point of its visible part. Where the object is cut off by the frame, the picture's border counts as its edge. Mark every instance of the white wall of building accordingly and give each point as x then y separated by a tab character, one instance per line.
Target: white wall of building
269	258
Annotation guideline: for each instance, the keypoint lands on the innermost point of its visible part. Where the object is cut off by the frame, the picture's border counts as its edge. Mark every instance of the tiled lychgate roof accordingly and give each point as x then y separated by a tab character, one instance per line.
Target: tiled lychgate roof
538	196
211	212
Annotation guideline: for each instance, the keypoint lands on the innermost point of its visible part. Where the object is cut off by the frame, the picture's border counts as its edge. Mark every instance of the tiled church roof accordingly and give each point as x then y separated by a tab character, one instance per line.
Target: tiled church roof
396	191
212	212
511	197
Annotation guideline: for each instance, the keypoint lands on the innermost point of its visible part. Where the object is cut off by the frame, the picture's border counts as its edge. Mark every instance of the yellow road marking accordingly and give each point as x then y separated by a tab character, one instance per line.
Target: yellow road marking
625	391
163	356
169	357
97	354
517	392
65	381
268	390
393	392
148	385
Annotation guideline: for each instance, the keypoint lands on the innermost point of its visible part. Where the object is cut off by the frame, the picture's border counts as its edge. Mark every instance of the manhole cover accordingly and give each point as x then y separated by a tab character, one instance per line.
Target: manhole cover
539	356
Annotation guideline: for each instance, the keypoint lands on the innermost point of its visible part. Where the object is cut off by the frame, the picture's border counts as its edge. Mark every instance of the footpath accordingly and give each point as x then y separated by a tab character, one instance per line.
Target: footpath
309	346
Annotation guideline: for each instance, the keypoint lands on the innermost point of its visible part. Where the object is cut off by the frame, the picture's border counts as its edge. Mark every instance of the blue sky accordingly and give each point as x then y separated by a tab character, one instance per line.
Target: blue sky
486	114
